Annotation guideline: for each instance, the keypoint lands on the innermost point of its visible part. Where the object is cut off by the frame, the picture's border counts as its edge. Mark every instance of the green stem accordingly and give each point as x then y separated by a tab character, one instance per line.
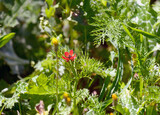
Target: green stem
74	98
141	86
57	83
73	69
47	34
2	109
119	75
85	40
20	106
70	3
75	86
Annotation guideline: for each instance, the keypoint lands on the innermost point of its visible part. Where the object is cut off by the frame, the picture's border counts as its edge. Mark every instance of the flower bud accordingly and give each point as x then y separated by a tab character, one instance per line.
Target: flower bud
85	110
65	95
46	23
41	18
114	96
54	41
111	114
115	99
68	100
94	93
32	63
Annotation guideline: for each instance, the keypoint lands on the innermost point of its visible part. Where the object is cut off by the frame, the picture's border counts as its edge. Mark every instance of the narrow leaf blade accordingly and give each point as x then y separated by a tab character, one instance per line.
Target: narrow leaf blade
4	39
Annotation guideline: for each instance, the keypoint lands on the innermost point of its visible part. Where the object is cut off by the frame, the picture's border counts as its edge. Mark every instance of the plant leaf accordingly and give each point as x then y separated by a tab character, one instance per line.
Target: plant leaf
106	82
2	99
129	102
147	34
4	39
9	102
127	31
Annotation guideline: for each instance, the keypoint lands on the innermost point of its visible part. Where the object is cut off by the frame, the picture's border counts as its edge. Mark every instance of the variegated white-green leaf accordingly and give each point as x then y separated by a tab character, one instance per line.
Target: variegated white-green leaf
145	16
129	102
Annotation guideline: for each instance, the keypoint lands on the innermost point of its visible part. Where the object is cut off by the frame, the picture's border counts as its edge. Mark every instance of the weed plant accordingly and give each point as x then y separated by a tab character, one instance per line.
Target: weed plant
71	80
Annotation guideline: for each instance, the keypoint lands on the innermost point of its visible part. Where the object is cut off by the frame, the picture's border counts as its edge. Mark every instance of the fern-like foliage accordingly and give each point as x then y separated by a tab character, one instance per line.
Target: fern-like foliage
109	19
108	23
9	102
89	66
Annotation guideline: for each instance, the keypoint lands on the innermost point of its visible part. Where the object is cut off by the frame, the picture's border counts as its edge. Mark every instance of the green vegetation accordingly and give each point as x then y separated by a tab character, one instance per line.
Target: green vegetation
80	57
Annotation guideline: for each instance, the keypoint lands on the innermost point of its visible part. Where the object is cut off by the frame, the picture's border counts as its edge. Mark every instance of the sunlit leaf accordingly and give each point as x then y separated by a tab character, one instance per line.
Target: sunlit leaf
129	102
149	35
4	39
2	99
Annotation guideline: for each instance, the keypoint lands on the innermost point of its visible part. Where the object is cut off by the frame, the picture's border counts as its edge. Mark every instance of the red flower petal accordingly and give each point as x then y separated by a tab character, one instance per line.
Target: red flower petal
66	54
73	57
69	56
67	59
63	57
71	52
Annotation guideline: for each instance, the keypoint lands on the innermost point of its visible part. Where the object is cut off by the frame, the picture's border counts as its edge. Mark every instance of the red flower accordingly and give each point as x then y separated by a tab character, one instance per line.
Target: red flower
69	56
